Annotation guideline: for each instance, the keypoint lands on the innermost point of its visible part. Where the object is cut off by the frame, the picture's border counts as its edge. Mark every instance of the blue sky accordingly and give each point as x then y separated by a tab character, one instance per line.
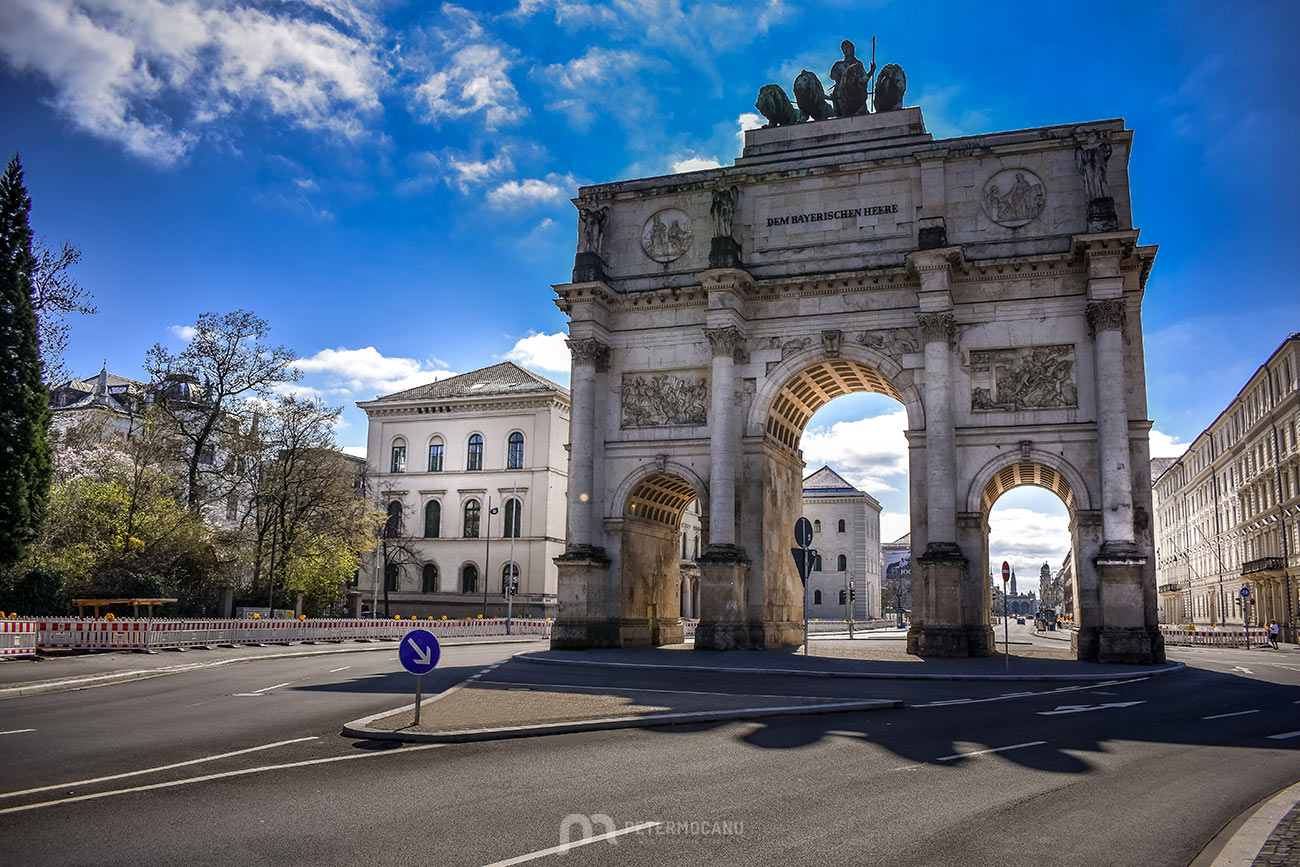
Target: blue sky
388	182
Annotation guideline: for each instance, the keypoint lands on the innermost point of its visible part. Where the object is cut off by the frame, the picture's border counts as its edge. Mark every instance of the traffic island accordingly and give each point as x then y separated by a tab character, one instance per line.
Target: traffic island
481	712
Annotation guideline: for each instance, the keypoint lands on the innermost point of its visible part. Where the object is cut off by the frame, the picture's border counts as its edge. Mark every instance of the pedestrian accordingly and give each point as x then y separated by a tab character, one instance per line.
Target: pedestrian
1273	630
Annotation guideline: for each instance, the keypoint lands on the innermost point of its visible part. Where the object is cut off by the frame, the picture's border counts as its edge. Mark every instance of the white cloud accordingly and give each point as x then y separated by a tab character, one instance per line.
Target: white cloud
547	352
748	120
871	452
894	525
599	83
355	451
468	172
1026	539
1164	445
554	189
366	369
695	163
470	75
304	392
184	332
154	76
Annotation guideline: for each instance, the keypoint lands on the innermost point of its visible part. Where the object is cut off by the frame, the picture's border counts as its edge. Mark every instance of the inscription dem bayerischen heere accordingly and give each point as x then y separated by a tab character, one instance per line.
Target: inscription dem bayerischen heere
842	214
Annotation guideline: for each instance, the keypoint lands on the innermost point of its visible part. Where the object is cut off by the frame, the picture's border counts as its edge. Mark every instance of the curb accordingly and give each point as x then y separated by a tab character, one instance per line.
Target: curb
108	679
360	729
1240	841
1168	668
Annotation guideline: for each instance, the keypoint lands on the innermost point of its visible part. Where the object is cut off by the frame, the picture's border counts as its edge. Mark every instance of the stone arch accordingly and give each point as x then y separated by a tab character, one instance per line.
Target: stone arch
1037	467
809	379
660	494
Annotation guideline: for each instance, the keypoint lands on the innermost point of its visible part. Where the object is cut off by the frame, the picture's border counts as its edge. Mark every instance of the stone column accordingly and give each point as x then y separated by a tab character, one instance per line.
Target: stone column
940	444
588	355
1106	318
724	444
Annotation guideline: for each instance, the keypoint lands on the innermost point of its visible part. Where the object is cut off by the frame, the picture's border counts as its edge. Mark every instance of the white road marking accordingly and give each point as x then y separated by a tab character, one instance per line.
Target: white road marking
17	731
1239	668
247	694
269	688
555	850
994	750
546	686
1284	735
336	670
223	775
1059	689
78	783
1084	708
1226	715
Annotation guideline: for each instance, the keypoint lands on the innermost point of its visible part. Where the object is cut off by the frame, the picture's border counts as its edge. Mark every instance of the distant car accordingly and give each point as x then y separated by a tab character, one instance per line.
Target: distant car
1020	621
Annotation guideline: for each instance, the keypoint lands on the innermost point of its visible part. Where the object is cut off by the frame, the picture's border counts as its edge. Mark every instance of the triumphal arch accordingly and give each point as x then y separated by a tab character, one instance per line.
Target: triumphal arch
992	284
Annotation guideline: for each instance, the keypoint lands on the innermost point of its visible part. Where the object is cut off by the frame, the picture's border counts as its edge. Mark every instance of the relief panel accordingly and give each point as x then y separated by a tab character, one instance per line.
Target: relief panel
1032	377
659	399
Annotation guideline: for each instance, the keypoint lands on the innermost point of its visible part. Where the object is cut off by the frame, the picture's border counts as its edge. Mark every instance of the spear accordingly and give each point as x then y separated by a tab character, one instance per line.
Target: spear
871	85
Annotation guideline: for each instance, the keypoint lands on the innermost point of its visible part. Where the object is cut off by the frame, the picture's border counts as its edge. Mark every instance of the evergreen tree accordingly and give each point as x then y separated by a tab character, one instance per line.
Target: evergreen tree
25	467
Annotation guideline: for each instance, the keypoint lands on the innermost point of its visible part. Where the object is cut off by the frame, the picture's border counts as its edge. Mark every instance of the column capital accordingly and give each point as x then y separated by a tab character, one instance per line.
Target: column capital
936	326
723	340
1107	315
589	350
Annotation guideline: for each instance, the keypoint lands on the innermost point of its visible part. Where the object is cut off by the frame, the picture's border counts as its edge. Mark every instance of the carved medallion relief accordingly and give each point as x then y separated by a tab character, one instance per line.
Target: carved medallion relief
666	235
1033	377
1013	197
656	400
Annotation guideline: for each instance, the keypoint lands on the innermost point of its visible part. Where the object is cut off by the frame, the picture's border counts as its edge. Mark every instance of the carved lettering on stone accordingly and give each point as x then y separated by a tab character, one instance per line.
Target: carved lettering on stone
1034	377
666	235
656	400
1013	197
890	341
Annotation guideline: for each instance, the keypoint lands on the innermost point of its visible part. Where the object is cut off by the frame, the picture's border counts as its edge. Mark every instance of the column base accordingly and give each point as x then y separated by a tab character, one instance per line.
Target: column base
723	569
950	641
582	573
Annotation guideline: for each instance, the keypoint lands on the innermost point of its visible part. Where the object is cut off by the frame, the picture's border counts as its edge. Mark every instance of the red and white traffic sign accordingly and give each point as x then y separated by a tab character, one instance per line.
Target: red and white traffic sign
1006	571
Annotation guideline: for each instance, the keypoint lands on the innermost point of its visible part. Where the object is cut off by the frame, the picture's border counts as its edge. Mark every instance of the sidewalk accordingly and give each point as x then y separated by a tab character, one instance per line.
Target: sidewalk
24	677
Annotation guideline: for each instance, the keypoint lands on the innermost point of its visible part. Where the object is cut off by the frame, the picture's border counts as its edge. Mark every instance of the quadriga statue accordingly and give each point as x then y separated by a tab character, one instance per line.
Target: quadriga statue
851	92
810	96
774	105
891	84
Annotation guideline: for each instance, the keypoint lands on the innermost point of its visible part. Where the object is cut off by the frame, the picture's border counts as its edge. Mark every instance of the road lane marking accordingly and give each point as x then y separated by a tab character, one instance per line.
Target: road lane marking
336	670
77	783
1284	735
1226	715
556	850
220	776
994	750
1245	670
1059	689
17	731
269	688
1085	708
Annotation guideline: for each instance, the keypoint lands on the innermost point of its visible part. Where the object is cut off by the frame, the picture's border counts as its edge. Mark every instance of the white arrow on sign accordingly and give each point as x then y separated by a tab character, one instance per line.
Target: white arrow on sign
1083	708
422	654
1246	670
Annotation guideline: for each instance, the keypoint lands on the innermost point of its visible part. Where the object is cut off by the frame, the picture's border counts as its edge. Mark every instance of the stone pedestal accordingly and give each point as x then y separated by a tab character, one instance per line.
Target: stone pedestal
1124	636
723	569
724	252
581	618
588	268
1102	216
941	572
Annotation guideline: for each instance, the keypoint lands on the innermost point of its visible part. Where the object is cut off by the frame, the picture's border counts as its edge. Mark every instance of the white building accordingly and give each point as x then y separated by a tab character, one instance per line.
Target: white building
1228	511
440	458
846	534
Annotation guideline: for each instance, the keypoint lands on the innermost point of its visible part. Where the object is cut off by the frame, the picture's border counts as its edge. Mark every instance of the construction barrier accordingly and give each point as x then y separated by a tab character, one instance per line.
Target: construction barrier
815	626
163	634
1214	637
18	637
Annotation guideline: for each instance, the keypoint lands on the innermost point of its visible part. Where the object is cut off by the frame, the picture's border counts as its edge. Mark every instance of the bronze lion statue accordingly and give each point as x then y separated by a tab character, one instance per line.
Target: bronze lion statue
811	97
891	84
774	105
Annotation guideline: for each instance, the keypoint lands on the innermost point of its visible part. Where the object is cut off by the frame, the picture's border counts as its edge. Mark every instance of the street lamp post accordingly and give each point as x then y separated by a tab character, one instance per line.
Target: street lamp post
487	552
514	570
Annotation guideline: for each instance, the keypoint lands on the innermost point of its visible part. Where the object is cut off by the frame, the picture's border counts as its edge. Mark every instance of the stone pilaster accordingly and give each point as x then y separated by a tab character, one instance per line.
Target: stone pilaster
589	356
724	444
1106	318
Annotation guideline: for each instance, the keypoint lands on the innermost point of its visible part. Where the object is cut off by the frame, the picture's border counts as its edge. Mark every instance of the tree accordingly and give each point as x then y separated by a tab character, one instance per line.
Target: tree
24	405
55	294
202	388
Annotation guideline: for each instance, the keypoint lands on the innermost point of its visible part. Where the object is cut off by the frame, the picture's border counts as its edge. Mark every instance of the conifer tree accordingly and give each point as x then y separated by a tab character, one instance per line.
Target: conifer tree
25	466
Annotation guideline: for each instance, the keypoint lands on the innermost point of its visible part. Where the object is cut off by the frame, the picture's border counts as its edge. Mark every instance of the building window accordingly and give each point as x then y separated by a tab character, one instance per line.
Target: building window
841	525
429	579
817	525
398	462
510	580
393	526
435	457
515	452
513	515
842	564
474	461
391	575
817	597
469	578
817	562
432	519
472	510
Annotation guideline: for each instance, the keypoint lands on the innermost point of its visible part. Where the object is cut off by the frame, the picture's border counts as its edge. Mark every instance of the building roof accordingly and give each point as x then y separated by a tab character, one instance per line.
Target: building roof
827	481
903	541
1159	465
506	378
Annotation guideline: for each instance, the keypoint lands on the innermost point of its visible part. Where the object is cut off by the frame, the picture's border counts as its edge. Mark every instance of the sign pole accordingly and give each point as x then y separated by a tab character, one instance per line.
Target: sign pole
1006	621
419	694
807	567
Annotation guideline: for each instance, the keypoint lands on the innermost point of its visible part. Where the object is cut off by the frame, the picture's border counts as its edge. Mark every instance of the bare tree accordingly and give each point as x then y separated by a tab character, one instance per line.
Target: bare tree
55	295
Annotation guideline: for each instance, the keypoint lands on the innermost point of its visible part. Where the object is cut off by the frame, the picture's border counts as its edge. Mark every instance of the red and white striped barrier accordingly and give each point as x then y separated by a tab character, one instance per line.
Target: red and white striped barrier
162	634
1213	637
18	637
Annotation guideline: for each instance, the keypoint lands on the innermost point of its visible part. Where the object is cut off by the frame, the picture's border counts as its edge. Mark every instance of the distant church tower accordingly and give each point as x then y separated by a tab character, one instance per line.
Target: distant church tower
1013	582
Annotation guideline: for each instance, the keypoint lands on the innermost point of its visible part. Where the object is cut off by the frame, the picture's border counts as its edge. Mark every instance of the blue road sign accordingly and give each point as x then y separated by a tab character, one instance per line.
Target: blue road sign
419	651
1245	591
803	532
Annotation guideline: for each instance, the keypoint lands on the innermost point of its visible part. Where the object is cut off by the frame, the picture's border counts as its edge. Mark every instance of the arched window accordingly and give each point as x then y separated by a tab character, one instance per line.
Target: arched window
432	519
817	597
514	514
393	526
391	577
398	462
469	578
435	455
844	596
817	562
842	563
841	525
472	511
515	452
817	525
474	460
509	580
429	579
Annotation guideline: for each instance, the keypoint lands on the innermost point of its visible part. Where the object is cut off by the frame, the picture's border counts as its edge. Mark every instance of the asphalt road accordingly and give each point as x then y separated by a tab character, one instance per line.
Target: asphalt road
1143	771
